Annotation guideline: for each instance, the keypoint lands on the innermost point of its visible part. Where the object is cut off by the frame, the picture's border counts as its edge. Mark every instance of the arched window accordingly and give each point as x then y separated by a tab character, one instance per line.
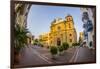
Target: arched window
67	18
51	42
69	25
70	40
58	28
70	18
70	34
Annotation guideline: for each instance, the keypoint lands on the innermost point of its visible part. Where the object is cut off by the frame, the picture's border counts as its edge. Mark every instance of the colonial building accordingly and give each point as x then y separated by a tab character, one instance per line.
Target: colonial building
44	39
61	31
81	37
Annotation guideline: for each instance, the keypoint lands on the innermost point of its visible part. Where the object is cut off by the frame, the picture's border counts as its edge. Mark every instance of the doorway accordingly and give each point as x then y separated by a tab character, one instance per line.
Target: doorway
58	42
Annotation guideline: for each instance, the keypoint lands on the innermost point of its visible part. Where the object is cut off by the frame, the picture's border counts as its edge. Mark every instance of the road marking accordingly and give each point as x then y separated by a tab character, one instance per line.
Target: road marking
76	56
41	56
72	56
72	59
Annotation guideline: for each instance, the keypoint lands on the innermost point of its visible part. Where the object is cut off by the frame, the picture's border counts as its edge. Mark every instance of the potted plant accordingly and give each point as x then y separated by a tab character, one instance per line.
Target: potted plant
61	50
65	46
78	44
20	41
53	51
73	44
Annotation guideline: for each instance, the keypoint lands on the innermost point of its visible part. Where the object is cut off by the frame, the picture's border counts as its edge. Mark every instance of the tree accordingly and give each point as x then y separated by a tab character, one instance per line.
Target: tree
75	44
53	51
65	45
20	41
20	37
61	50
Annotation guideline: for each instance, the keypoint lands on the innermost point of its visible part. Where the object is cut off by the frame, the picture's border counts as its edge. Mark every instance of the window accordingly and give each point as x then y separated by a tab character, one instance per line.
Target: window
61	34
51	42
70	34
70	40
67	19
69	25
70	18
59	28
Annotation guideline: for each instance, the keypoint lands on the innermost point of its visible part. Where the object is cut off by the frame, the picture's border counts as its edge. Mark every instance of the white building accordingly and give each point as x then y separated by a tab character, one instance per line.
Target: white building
88	19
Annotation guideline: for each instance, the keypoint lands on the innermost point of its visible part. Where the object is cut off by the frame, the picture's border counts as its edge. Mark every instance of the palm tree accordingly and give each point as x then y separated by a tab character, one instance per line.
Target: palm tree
20	37
20	41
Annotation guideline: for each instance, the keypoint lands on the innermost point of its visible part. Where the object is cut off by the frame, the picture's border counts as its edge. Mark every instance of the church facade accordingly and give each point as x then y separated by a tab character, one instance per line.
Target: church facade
61	31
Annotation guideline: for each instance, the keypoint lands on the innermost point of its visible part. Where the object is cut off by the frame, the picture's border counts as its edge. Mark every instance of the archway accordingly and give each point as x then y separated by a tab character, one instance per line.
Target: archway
58	42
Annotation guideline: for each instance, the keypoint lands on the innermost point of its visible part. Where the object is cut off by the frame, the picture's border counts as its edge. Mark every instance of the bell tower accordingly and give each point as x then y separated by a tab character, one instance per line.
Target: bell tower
70	30
69	22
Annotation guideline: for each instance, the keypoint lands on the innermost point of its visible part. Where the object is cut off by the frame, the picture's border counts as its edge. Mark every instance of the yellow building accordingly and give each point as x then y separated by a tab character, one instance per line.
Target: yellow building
44	39
81	37
62	31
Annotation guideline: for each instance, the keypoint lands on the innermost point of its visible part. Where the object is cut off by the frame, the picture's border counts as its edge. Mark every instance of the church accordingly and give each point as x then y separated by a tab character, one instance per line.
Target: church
60	31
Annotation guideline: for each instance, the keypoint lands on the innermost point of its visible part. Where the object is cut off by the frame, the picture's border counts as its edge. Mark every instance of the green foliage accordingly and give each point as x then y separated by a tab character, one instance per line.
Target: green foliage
75	44
53	50
35	43
90	43
40	44
20	37
78	44
60	48
65	46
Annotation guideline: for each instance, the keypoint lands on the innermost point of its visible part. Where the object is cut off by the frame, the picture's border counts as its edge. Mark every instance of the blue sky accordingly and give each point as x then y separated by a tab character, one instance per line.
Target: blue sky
40	18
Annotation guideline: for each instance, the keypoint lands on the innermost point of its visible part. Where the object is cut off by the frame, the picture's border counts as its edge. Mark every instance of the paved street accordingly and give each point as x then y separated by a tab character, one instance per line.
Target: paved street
35	55
83	54
29	57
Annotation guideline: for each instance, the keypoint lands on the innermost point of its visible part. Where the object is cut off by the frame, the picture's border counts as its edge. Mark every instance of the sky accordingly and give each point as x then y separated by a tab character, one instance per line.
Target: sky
40	18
